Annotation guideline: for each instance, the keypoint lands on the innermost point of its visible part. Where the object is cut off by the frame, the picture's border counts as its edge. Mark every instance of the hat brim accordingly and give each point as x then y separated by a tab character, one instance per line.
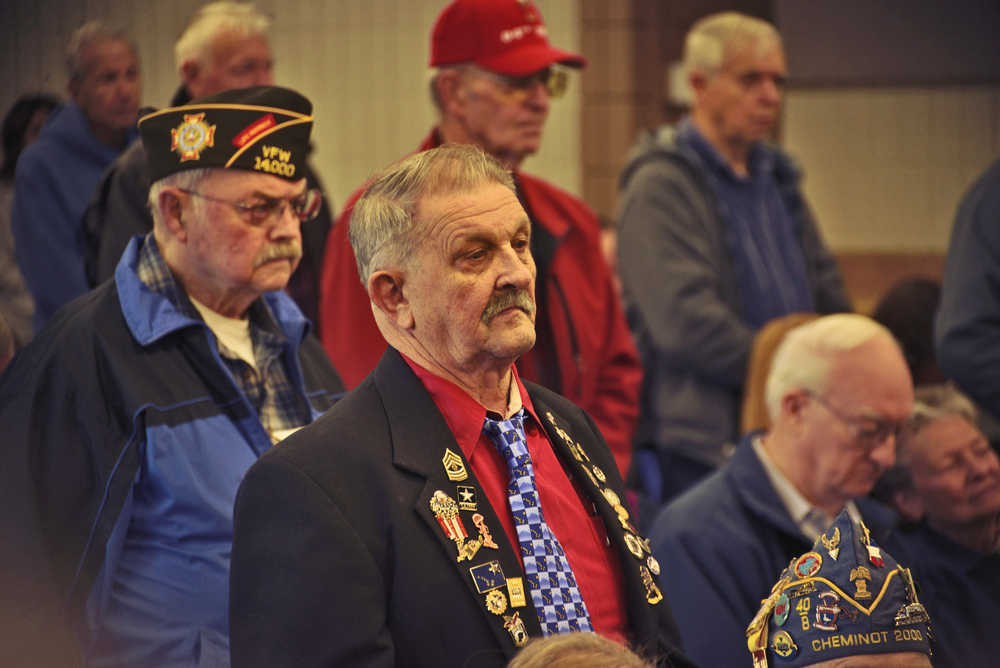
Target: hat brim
528	59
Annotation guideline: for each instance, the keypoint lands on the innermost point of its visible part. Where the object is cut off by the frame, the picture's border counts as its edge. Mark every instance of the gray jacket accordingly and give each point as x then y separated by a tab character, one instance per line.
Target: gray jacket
682	298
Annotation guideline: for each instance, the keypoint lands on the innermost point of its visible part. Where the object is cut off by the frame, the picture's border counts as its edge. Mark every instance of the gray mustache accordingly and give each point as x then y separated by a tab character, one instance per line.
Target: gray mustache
279	250
517	298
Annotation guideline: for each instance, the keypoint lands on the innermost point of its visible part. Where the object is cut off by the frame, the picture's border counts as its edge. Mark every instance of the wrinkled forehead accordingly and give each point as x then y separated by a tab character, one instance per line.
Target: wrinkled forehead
105	53
232	181
229	42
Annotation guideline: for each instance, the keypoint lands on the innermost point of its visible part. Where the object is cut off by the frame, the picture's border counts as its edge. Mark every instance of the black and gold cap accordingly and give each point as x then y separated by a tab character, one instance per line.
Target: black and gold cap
261	129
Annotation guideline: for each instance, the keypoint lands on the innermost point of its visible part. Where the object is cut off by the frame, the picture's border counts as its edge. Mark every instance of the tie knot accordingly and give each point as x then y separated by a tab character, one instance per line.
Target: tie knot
507	435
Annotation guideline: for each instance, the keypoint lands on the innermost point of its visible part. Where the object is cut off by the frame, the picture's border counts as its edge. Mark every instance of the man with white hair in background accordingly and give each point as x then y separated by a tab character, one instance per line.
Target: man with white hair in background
838	392
715	239
495	80
224	46
56	175
130	419
947	483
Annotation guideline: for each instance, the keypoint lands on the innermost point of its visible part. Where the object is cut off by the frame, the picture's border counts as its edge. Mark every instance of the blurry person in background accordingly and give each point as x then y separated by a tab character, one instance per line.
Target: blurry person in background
21	127
57	174
946	484
715	239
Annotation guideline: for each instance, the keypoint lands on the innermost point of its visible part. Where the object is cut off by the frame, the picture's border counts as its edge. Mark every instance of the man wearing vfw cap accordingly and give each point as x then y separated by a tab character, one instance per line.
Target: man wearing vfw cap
224	46
496	76
131	418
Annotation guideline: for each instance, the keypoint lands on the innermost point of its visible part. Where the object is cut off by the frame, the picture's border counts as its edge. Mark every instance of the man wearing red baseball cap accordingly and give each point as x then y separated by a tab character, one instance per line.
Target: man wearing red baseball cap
496	76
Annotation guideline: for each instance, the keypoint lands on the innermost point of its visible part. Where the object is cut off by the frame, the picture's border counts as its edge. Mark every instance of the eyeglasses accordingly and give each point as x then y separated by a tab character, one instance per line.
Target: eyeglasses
554	78
305	206
868	430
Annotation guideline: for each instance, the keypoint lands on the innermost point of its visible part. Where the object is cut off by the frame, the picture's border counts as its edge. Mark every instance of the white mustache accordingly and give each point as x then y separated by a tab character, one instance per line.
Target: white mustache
278	251
518	298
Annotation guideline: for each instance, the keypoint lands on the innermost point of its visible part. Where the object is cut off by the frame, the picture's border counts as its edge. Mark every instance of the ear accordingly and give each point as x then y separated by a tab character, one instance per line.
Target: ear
171	213
385	289
698	81
451	90
189	72
793	403
909	504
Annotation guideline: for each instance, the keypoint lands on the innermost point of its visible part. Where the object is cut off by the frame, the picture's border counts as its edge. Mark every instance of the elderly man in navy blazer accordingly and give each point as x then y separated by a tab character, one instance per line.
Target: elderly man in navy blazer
446	511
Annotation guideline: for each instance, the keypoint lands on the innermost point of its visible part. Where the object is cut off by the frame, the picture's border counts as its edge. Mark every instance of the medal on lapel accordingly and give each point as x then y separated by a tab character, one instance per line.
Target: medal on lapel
445	510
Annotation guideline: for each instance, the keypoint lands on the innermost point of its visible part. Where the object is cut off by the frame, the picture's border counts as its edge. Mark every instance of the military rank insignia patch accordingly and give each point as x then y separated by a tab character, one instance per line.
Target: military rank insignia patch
192	137
454	467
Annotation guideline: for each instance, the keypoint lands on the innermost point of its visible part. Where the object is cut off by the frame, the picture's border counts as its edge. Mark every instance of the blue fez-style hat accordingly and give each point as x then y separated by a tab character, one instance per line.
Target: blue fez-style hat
846	597
260	129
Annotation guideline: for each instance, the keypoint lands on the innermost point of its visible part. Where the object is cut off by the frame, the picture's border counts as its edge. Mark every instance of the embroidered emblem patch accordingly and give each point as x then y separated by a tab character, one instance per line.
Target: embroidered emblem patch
827	611
192	137
808	564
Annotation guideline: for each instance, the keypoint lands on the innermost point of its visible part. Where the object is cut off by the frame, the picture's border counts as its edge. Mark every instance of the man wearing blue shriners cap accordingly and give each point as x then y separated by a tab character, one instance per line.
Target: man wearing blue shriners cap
844	604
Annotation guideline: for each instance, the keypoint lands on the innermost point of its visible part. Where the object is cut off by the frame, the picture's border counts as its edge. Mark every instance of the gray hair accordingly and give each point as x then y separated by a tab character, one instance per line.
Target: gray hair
84	39
188	179
576	650
804	357
382	223
195	43
716	35
930	404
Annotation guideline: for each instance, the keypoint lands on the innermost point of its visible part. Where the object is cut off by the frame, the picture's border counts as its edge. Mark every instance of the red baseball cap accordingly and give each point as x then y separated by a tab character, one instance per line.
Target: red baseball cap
503	36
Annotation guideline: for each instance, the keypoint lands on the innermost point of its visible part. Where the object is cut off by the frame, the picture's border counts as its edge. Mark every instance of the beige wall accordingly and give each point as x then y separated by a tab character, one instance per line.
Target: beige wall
362	62
886	167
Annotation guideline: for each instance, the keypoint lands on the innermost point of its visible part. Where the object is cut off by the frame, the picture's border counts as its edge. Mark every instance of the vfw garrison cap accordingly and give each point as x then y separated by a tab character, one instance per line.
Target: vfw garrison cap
261	129
845	597
504	36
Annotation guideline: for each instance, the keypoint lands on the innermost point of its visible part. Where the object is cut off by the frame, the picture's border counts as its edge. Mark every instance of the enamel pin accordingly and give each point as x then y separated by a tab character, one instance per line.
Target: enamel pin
653	594
832	544
446	512
484	533
467	498
488	576
515	590
515	626
808	564
496	602
860	576
192	137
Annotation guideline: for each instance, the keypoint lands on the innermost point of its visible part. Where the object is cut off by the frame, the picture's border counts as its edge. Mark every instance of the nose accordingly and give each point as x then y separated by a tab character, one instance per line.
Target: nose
771	91
287	224
517	270
884	453
980	467
538	96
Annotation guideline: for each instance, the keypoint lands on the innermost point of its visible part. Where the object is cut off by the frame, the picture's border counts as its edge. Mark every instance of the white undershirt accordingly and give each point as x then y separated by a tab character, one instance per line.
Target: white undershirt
233	333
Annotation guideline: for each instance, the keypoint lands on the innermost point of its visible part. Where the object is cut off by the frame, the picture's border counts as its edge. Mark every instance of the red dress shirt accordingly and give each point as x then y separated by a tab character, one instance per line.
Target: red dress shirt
570	516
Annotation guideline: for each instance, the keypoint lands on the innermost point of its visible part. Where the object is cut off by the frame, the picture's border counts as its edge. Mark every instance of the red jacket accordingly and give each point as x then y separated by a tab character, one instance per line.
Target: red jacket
595	363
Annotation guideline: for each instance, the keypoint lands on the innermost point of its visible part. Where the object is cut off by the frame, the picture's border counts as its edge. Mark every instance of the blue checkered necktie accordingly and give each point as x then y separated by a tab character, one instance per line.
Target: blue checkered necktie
550	579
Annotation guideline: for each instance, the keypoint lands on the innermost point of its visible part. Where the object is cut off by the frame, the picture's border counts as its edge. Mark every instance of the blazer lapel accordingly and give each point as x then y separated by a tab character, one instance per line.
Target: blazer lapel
454	506
599	479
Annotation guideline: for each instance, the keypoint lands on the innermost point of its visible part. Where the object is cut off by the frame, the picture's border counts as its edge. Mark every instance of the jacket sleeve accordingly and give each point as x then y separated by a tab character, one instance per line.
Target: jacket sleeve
706	579
670	273
46	236
304	590
967	328
346	324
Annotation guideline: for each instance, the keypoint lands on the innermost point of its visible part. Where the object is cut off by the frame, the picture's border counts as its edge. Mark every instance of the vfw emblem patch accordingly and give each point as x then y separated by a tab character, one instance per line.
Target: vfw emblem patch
192	137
